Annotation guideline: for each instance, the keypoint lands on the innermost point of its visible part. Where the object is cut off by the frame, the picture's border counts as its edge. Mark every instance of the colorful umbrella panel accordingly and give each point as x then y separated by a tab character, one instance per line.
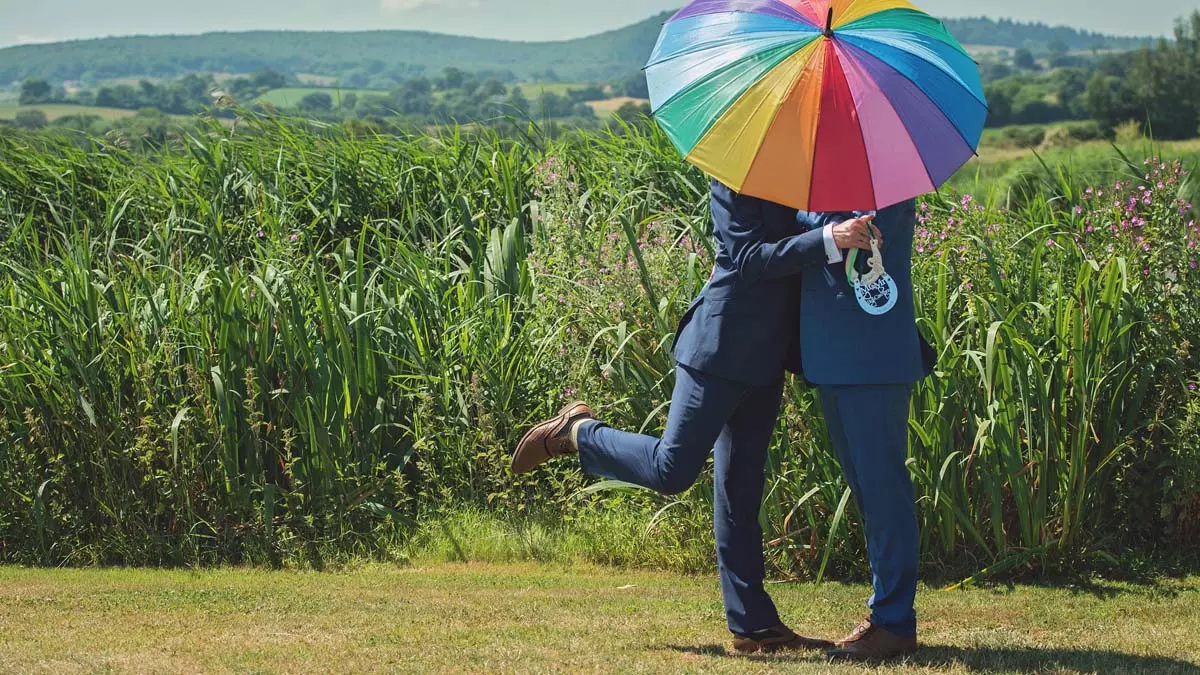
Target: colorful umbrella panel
822	105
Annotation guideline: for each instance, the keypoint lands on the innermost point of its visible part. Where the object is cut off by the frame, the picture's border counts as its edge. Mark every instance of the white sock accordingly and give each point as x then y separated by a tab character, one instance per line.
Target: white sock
575	434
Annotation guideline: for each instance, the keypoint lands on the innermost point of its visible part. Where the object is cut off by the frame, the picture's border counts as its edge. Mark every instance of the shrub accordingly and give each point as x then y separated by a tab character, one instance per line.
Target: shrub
1129	133
30	119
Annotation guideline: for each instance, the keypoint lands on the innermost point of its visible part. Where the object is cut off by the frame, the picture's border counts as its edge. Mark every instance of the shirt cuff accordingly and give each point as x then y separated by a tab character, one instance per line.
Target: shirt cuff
833	255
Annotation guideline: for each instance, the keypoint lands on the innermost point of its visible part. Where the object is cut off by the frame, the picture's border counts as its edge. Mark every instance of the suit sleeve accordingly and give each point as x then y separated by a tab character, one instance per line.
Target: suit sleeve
741	235
816	221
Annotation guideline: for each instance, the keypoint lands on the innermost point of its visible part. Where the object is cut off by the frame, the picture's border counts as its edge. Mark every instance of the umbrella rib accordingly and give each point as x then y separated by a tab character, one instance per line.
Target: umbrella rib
900	5
785	12
943	36
812	170
778	109
866	150
888	98
901	73
952	73
742	132
716	73
924	165
836	57
770	41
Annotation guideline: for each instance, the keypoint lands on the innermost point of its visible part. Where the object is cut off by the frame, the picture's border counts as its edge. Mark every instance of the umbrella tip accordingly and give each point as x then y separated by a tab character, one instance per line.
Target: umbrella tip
829	24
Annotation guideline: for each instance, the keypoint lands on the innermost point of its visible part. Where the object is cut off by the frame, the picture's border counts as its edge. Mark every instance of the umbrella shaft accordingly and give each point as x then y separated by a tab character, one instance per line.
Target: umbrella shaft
829	24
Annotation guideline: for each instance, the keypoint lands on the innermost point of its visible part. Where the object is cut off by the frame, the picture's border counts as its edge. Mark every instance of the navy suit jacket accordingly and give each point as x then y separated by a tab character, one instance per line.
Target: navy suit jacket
842	344
745	325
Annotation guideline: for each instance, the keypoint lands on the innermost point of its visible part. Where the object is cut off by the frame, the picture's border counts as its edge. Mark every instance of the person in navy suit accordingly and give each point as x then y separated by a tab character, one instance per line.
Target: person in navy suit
733	347
865	363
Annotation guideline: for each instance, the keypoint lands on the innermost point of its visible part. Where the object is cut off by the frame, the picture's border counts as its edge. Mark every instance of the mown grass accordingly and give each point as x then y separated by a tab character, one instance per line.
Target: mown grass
537	619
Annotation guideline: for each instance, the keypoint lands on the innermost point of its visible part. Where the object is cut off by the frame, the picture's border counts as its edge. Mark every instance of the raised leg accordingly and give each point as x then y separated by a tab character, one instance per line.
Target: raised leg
700	407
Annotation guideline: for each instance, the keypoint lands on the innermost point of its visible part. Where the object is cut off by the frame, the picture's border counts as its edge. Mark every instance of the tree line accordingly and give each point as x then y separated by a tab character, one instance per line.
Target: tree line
386	59
454	97
187	95
1157	86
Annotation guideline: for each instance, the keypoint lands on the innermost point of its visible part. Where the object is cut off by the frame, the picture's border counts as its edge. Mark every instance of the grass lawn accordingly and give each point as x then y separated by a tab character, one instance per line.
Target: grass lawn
535	619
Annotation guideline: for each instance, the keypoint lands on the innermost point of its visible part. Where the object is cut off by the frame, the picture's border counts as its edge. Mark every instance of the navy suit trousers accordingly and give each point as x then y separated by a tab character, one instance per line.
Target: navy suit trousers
708	413
869	429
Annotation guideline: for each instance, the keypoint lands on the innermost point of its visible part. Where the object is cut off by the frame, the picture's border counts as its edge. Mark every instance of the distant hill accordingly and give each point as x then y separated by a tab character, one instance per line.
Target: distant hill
1036	36
403	53
358	57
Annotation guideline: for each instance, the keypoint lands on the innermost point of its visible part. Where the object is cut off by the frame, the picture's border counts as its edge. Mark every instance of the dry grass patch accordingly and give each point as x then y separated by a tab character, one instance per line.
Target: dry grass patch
527	619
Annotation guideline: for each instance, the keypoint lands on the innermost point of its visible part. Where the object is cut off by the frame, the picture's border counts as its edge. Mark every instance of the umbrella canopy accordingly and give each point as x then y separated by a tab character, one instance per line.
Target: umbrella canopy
821	105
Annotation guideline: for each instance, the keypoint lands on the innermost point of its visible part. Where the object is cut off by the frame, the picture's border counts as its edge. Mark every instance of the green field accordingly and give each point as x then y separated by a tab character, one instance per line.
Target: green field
995	167
611	105
290	96
54	112
986	50
534	89
534	619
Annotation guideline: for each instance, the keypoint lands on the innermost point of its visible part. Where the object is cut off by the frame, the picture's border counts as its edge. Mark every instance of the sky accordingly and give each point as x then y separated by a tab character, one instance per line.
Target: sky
26	21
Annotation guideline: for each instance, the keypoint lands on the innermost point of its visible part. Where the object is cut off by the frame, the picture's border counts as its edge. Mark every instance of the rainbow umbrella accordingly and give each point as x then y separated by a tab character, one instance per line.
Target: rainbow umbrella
822	105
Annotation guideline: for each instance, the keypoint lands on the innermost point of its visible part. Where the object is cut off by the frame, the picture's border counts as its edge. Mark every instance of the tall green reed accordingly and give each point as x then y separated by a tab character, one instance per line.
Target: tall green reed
284	341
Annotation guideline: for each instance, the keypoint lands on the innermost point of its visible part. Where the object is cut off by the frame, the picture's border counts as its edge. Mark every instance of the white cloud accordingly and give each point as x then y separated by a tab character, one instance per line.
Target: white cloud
32	39
408	5
396	6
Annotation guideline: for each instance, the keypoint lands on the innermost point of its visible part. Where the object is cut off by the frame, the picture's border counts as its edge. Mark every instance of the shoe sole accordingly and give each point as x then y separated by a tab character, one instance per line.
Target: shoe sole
794	644
855	658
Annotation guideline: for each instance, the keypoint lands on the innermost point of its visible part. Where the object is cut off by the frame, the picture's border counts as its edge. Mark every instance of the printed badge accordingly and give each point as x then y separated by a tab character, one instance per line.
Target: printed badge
876	290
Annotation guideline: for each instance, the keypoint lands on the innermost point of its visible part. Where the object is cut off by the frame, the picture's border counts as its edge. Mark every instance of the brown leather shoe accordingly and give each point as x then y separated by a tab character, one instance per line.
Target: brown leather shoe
549	439
869	642
776	639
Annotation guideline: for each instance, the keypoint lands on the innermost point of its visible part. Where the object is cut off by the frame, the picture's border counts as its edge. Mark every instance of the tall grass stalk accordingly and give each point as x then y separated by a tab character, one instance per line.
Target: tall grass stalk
288	342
